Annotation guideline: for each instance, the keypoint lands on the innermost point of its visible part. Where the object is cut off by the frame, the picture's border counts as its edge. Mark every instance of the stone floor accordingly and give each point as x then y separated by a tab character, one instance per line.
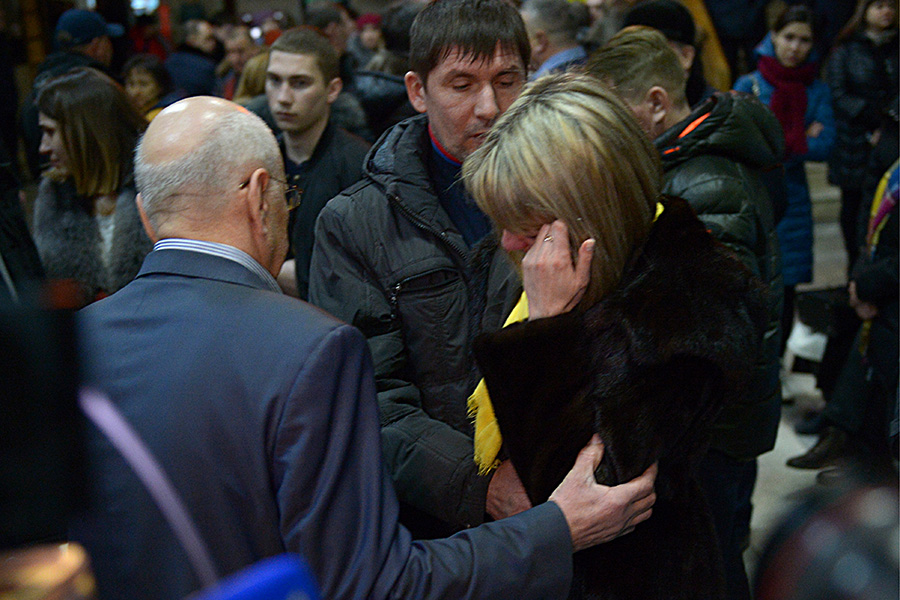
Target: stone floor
779	487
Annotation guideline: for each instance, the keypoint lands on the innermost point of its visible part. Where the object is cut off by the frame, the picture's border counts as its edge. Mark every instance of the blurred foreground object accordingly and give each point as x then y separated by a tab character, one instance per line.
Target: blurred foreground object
50	572
840	544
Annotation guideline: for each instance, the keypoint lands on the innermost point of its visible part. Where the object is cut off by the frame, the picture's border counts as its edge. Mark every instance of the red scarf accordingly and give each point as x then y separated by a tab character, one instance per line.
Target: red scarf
789	99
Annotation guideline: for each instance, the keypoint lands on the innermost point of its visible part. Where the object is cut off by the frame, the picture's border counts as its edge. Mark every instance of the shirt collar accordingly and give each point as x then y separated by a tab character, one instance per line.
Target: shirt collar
222	251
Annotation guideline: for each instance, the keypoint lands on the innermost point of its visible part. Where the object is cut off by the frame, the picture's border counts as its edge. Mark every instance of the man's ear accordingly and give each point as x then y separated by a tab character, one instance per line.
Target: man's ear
541	41
659	103
686	54
145	220
257	206
330	31
415	89
334	89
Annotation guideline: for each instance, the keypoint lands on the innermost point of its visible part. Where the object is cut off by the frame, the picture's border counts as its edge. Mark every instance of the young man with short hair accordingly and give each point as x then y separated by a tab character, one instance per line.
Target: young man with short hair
320	159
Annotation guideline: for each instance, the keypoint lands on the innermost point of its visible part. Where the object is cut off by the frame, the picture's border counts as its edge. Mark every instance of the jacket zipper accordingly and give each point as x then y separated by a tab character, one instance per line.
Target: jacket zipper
418	223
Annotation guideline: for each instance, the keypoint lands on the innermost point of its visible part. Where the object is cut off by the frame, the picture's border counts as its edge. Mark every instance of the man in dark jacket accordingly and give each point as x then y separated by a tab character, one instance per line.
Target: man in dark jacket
192	66
407	257
320	158
716	157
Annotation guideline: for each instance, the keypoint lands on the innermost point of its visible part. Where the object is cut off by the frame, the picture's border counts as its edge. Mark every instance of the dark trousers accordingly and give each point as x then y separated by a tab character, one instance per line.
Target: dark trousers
728	485
863	402
851	199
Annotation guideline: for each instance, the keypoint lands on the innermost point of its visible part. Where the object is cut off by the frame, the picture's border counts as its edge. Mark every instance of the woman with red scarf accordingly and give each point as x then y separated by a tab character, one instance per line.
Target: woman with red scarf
786	80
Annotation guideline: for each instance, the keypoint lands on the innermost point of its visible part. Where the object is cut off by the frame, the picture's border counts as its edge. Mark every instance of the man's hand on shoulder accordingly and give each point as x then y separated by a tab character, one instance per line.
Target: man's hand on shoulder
598	513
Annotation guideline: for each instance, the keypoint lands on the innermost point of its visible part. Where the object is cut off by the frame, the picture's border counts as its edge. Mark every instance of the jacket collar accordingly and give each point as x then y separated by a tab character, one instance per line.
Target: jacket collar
398	164
187	263
737	127
324	141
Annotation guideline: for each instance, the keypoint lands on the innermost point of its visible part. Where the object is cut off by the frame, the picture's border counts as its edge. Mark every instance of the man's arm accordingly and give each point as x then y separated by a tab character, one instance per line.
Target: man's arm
430	462
339	511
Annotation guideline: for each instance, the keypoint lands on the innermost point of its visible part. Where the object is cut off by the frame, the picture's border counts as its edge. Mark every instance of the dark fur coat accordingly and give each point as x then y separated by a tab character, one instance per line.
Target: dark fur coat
648	368
68	240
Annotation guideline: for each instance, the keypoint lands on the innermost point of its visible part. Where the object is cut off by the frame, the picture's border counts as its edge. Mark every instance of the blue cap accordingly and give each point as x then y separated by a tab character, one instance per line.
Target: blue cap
76	27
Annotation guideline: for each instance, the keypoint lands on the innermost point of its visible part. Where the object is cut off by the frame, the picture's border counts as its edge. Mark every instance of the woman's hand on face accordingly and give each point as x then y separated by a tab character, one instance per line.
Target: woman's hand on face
554	284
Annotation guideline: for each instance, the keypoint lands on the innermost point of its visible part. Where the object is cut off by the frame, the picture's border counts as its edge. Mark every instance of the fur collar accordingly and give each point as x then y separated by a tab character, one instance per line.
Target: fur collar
68	240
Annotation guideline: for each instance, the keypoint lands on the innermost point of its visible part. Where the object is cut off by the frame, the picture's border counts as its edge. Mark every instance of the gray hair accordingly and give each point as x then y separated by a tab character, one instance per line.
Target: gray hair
238	142
560	19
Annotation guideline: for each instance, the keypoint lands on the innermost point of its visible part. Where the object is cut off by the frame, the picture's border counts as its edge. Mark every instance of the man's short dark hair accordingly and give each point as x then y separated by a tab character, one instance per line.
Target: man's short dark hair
321	14
308	41
473	26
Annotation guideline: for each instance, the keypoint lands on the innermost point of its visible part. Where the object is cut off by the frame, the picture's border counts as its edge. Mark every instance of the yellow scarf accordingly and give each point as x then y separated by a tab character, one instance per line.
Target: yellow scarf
487	433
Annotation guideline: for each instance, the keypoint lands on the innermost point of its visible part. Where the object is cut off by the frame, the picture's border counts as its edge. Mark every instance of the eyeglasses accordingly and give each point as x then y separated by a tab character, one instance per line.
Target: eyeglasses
292	193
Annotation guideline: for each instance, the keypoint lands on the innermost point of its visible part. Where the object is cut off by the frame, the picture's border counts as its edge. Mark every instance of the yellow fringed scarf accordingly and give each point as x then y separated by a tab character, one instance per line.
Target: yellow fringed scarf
487	433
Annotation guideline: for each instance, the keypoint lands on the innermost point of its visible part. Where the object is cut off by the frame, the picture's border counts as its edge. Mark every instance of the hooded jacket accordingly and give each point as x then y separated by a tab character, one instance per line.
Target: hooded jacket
388	260
724	159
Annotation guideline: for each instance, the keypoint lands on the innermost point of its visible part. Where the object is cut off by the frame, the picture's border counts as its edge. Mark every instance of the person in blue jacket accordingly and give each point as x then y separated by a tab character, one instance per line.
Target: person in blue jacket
786	79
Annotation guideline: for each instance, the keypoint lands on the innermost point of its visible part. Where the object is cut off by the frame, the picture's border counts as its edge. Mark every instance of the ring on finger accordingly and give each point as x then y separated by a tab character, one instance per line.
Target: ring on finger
548	238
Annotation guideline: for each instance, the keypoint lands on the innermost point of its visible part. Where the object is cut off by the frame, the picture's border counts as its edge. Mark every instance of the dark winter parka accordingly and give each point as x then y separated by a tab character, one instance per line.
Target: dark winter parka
720	159
648	368
388	260
863	79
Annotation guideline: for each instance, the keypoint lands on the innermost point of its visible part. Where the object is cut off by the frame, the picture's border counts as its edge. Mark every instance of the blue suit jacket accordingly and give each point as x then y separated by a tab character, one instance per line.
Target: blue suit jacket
262	411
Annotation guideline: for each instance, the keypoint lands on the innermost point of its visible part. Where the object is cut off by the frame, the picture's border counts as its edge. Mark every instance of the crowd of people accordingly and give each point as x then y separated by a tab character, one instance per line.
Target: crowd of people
558	245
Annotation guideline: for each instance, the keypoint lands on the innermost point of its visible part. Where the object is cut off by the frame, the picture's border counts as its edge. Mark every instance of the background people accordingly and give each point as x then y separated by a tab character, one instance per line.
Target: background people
862	74
148	84
252	81
553	27
640	327
81	39
192	65
380	85
239	48
786	80
86	226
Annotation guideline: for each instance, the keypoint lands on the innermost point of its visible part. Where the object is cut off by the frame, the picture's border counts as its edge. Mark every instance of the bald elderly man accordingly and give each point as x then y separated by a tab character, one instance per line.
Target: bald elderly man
262	409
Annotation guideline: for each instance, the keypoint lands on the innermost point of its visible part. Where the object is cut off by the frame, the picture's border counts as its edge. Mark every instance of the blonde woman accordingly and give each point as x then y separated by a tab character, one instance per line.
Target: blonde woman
641	327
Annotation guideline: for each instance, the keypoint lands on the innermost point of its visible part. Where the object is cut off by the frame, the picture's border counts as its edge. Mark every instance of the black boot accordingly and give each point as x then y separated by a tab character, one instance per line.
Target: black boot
833	444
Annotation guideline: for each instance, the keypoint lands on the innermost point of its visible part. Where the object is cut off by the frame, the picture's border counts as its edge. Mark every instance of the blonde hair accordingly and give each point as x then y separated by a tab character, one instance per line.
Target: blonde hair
569	149
636	59
252	81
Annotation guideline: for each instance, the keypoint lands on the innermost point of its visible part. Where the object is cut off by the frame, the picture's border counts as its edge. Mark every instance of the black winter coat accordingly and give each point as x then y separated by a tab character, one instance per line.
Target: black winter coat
863	78
383	96
648	368
388	260
723	159
335	164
